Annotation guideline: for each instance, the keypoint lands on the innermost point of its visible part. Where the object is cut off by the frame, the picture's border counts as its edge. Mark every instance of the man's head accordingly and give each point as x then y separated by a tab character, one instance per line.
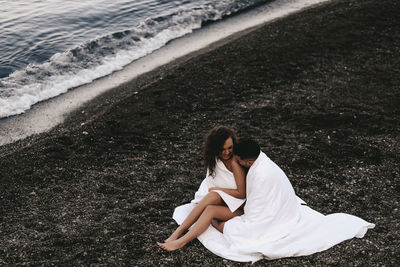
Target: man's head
247	151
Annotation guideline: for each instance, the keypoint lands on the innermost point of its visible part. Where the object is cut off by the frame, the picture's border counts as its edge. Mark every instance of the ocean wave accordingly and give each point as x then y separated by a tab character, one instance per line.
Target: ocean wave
102	56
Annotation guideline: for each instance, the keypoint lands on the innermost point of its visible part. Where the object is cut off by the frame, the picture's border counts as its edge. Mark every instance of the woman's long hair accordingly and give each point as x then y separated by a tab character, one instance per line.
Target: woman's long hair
213	144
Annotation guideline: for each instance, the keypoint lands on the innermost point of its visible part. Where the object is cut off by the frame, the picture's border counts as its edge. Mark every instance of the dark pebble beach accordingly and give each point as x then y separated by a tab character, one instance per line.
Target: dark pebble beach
319	90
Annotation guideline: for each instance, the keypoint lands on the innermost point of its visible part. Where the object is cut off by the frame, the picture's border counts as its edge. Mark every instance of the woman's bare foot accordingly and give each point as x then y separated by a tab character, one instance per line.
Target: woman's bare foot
171	245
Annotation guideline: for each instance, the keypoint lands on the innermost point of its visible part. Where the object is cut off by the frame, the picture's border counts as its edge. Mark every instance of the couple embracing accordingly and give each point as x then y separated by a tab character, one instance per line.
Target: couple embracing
246	209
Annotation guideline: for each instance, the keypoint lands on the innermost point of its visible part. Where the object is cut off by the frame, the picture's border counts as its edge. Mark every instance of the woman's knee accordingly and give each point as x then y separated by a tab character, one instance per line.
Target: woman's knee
213	198
211	211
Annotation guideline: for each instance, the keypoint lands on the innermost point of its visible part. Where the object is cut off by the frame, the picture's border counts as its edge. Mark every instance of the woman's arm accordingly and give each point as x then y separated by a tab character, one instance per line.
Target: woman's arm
240	178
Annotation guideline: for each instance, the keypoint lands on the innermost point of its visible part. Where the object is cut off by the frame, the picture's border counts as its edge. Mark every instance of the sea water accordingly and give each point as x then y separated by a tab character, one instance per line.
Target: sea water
50	46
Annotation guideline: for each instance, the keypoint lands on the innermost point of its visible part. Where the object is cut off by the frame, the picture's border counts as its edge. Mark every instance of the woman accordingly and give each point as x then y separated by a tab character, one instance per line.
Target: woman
221	194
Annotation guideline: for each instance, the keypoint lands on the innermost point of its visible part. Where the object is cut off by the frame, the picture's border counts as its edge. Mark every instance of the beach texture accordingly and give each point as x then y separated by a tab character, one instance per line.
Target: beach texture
320	91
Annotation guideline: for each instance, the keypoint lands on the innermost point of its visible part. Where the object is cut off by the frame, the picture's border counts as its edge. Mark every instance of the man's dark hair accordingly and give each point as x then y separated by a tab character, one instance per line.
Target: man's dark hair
247	149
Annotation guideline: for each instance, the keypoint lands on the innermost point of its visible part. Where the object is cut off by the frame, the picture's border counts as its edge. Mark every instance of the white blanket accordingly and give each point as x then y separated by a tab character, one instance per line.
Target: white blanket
275	223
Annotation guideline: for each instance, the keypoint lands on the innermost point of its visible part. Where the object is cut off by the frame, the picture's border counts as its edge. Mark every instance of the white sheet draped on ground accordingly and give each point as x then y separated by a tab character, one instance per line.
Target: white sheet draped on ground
284	229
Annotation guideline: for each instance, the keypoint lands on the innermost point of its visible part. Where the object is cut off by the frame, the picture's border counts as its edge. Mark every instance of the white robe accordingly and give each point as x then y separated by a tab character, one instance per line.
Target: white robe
275	224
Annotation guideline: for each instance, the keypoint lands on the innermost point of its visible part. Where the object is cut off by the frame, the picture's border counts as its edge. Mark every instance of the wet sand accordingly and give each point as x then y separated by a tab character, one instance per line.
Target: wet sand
318	89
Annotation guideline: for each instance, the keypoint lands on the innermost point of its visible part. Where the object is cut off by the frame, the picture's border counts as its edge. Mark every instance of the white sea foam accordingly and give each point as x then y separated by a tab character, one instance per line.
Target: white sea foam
50	79
104	55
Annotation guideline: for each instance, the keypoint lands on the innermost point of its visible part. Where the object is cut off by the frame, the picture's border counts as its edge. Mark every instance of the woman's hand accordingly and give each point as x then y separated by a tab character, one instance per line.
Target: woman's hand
236	159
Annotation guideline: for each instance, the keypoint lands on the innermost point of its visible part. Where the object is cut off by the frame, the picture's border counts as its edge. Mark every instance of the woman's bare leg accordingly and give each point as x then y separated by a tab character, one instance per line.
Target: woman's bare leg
211	212
211	198
219	224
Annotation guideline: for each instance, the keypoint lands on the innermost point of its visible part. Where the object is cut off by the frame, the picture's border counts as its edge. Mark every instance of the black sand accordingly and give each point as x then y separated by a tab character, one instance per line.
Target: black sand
318	89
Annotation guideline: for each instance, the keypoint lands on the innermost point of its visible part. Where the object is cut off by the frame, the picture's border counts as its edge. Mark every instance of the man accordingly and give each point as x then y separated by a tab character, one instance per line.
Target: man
272	208
276	223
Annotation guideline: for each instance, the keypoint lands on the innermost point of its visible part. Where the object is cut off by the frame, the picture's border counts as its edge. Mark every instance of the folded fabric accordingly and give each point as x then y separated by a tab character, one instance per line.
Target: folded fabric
314	232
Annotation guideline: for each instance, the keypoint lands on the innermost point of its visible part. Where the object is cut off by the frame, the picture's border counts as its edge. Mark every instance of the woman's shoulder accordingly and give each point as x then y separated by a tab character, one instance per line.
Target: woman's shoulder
224	166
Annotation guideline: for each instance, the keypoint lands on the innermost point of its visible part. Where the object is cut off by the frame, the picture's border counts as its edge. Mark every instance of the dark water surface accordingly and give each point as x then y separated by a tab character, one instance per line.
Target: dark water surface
48	47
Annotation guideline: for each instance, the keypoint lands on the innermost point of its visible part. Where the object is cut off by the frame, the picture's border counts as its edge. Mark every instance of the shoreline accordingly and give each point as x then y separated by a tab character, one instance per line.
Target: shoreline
318	89
45	115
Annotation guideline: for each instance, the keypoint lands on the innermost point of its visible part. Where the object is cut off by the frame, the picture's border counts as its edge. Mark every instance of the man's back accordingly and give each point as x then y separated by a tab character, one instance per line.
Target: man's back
269	192
271	209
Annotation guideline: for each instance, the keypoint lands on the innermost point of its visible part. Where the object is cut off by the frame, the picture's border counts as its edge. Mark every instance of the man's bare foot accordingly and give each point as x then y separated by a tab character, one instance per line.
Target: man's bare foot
171	245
